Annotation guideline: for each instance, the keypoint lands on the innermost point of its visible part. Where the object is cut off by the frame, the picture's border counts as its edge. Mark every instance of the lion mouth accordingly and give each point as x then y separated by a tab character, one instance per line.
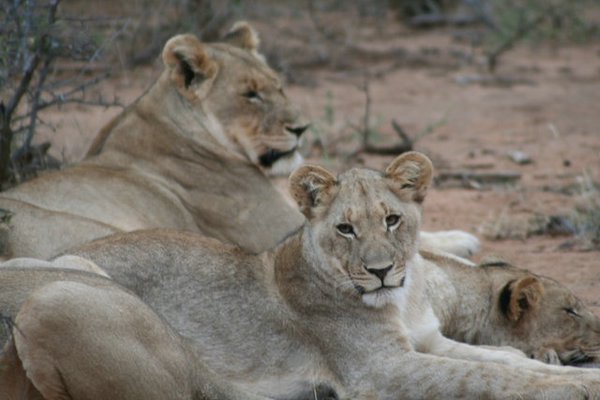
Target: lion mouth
381	289
361	289
578	358
272	156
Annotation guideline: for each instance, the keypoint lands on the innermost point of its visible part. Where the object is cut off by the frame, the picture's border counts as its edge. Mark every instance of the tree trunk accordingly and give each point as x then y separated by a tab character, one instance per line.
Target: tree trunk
6	137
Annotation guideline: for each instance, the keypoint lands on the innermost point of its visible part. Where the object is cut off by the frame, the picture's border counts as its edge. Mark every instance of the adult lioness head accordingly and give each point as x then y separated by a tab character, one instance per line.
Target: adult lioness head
227	89
542	317
368	222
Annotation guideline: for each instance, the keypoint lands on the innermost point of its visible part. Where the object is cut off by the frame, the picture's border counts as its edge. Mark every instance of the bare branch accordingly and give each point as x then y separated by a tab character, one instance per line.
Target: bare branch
366	131
34	42
65	97
100	102
523	29
406	140
35	101
406	143
23	86
43	74
32	65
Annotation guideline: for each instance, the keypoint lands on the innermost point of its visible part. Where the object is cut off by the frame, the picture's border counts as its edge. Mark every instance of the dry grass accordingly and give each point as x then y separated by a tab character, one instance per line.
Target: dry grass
582	223
585	218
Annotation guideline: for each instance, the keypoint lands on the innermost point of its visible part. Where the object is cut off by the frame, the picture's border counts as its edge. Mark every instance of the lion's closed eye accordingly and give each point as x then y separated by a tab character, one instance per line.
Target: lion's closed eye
570	311
252	95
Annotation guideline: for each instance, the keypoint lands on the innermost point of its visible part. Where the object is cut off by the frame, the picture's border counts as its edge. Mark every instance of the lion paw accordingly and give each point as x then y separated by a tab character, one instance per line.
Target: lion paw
547	355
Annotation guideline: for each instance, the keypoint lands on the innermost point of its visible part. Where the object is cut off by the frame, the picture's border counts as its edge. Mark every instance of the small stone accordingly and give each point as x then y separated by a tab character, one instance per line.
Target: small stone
519	157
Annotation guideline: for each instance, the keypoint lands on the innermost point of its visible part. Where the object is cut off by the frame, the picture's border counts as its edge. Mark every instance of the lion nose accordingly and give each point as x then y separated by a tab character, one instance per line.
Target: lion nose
380	272
297	130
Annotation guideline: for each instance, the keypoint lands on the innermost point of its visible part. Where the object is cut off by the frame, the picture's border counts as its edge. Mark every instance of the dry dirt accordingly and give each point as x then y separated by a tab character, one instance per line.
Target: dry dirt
552	114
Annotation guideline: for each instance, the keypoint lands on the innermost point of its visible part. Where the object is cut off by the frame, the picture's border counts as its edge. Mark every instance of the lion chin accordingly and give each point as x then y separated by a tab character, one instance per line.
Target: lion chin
383	296
280	163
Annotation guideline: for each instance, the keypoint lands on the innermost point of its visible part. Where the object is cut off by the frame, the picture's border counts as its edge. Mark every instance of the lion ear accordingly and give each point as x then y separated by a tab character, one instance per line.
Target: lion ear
242	35
411	174
191	69
518	297
310	186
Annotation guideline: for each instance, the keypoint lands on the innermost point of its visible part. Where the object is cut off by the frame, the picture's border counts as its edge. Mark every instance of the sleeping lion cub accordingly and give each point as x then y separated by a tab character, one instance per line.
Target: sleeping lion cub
498	304
341	303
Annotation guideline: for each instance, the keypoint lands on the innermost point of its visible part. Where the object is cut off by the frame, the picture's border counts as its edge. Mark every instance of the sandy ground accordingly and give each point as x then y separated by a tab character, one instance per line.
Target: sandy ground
552	114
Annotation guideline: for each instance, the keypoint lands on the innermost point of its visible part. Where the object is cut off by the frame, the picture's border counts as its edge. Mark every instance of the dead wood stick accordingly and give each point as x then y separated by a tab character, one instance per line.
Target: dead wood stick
473	179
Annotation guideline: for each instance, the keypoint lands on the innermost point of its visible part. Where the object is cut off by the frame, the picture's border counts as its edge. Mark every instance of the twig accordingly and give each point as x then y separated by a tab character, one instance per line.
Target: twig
6	137
430	128
65	97
22	88
406	140
35	102
523	29
43	74
366	147
366	131
477	180
98	103
99	50
387	150
433	19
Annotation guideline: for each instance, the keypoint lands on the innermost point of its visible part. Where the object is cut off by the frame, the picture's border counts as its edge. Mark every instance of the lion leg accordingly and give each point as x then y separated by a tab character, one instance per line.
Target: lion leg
14	384
36	232
67	261
455	242
442	346
76	341
508	349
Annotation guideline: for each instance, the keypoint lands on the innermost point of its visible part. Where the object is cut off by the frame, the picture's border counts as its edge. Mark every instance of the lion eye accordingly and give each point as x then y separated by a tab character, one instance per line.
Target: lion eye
392	220
252	95
345	229
571	312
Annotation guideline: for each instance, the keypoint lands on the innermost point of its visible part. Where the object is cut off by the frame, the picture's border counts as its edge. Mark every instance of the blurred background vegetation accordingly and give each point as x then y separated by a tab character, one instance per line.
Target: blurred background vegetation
52	51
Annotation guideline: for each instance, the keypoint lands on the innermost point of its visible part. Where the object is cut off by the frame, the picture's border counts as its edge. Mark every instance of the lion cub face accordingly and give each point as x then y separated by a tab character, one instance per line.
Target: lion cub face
364	223
240	96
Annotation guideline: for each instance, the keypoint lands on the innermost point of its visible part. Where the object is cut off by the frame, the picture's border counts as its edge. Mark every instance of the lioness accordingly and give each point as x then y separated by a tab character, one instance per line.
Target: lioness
343	301
190	150
491	304
80	336
501	305
190	154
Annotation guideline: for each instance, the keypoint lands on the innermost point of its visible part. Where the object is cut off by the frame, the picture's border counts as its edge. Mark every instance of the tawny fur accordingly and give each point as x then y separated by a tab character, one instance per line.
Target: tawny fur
312	311
78	336
555	327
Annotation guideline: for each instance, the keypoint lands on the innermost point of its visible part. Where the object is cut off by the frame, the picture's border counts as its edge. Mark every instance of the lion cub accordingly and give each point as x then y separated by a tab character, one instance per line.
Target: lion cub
341	302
